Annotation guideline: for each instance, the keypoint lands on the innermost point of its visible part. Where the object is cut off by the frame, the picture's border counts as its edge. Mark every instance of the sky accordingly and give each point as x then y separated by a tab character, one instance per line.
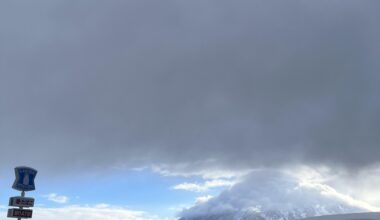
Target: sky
148	110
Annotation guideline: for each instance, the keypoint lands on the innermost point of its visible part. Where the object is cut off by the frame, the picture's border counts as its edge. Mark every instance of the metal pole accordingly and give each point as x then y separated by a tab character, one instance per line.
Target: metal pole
22	195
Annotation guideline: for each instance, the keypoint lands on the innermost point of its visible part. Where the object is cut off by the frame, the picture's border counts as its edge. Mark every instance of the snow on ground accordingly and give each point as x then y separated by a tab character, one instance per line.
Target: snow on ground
355	216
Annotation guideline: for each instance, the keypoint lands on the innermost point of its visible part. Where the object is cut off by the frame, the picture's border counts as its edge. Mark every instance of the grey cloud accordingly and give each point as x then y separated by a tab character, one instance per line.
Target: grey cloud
243	83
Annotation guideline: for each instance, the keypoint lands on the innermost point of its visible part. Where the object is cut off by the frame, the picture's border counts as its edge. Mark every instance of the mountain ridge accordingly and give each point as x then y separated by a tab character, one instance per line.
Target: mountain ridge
350	216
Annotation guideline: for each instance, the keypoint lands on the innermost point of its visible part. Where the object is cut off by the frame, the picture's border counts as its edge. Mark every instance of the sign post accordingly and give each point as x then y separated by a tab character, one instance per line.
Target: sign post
24	182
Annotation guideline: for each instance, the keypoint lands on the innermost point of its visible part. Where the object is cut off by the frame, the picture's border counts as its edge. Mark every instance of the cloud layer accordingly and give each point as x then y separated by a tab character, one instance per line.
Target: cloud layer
241	84
57	198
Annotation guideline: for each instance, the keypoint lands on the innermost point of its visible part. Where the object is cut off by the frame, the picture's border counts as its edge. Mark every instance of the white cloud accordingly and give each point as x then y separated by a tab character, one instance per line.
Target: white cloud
97	212
180	207
203	199
363	184
57	198
202	187
274	190
331	192
330	185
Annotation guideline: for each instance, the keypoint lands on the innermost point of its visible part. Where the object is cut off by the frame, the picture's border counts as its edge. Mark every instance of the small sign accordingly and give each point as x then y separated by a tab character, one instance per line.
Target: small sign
24	179
20	213
21	201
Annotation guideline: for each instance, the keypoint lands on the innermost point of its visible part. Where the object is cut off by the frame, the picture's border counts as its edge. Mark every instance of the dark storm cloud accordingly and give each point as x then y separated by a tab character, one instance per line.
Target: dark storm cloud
241	83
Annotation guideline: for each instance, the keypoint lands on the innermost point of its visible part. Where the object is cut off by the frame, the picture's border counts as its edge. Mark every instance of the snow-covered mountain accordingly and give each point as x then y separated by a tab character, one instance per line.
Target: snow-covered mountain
352	216
269	214
355	216
270	196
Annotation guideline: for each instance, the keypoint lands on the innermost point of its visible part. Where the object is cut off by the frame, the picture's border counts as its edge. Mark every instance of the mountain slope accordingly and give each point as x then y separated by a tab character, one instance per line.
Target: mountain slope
354	216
